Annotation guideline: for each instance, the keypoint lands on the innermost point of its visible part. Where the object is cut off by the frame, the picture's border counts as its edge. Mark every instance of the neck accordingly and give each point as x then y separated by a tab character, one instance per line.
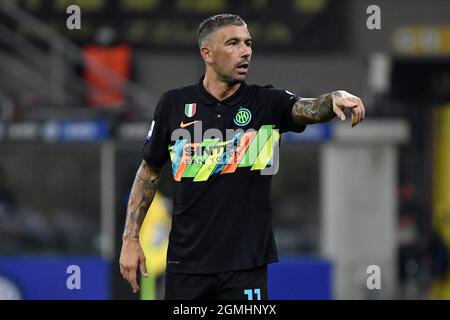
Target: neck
217	87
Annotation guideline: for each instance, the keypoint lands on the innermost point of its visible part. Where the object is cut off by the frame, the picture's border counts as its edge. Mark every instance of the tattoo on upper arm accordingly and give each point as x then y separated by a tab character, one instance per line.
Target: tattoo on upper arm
141	196
313	110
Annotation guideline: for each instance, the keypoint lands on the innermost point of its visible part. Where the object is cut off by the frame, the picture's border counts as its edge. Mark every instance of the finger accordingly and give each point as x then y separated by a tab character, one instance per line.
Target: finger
361	117
133	281
338	111
143	268
354	117
360	110
122	271
126	274
358	116
363	109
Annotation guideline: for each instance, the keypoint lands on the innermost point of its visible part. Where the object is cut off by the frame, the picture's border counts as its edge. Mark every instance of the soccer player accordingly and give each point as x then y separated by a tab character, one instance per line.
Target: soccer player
221	238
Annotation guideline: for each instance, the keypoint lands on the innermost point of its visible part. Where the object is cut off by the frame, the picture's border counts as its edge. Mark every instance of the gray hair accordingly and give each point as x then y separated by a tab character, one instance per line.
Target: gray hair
213	23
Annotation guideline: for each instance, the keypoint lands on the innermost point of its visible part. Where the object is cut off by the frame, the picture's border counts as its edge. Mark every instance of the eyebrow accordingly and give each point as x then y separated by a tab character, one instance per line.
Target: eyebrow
238	39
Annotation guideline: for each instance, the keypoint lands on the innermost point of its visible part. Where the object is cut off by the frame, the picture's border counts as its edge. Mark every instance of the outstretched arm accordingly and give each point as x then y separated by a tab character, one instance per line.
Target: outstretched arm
326	107
141	196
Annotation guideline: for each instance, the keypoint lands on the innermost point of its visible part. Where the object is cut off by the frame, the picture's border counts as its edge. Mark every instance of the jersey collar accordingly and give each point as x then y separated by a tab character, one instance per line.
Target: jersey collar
231	101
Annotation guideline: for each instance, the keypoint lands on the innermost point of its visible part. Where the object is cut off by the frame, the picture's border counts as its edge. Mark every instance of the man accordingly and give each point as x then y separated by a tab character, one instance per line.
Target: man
221	238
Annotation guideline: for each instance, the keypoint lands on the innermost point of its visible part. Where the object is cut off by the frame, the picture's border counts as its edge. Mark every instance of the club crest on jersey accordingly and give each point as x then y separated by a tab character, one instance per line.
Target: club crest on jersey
242	117
189	109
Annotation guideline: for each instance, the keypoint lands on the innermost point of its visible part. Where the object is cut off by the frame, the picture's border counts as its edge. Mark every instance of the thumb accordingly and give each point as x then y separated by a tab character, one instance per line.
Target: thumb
143	268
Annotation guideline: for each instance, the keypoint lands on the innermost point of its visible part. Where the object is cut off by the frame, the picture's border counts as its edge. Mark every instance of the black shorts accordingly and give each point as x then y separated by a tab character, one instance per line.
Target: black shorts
234	285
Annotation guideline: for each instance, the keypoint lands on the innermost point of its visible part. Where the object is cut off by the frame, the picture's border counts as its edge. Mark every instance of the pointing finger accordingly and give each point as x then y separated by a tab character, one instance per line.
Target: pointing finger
132	279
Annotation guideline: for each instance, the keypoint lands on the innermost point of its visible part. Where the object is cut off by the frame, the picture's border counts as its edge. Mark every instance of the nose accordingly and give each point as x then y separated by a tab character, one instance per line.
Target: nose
246	51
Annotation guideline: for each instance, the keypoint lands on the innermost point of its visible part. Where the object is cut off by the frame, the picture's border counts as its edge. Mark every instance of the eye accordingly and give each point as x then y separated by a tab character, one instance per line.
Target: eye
249	44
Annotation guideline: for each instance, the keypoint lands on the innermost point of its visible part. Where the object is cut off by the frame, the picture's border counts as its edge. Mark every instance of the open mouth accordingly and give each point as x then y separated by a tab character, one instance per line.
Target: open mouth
243	67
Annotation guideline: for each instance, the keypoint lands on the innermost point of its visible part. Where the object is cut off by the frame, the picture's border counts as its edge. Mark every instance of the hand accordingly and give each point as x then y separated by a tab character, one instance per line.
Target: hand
342	100
132	256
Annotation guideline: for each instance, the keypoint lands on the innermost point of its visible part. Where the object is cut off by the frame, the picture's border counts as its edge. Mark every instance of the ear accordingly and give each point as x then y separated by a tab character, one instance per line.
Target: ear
205	52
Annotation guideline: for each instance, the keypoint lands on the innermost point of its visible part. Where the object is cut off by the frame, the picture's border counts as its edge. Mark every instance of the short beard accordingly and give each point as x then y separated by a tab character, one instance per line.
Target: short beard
229	80
233	82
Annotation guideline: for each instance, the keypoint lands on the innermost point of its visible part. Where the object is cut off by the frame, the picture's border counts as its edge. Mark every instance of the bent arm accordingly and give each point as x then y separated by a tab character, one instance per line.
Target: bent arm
313	110
326	107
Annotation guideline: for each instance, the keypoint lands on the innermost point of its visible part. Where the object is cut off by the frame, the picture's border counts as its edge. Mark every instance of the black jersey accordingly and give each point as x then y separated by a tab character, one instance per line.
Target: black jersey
223	155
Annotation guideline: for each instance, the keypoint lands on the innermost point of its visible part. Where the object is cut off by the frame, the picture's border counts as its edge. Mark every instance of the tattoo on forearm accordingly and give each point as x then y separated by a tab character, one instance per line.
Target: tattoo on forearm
141	196
313	110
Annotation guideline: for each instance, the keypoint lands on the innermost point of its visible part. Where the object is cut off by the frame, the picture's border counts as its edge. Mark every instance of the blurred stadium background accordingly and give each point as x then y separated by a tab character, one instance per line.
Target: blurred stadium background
75	106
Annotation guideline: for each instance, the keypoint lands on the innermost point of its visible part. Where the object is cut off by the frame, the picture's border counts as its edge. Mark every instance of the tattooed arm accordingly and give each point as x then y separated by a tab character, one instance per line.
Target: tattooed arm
326	107
141	196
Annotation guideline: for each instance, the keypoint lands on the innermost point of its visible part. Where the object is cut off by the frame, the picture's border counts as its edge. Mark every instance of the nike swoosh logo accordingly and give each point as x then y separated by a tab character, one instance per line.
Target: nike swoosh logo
184	125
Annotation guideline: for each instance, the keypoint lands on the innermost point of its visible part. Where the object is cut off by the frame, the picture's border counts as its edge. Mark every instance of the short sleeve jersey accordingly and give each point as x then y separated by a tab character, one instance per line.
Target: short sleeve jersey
223	155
